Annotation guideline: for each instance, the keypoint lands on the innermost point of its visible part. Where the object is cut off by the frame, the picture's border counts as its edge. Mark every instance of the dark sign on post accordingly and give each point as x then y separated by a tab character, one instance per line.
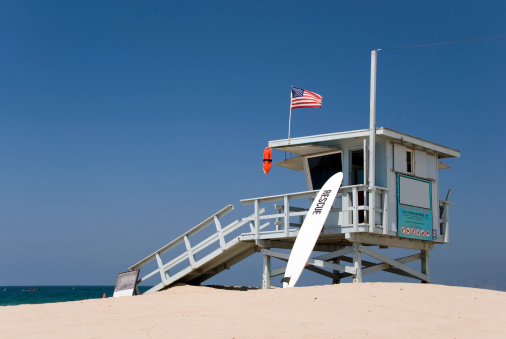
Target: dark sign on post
126	283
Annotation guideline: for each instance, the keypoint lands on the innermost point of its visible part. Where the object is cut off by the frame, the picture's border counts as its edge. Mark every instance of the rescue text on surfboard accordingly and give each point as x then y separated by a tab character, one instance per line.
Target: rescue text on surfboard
321	202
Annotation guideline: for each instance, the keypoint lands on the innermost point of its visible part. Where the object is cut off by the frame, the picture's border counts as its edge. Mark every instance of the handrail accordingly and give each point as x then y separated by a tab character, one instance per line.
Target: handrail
191	249
180	239
297	195
349	216
350	206
305	194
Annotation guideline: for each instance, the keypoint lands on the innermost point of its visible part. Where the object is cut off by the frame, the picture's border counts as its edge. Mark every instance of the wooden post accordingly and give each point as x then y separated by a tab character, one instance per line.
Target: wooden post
257	220
357	262
425	264
266	278
336	280
355	208
287	214
220	233
189	250
159	262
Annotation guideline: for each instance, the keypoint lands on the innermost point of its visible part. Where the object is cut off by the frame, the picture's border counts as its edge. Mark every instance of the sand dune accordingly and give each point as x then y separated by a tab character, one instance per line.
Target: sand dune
368	310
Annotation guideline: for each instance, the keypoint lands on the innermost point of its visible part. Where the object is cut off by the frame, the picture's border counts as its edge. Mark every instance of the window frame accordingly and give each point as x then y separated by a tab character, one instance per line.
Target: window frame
412	163
306	165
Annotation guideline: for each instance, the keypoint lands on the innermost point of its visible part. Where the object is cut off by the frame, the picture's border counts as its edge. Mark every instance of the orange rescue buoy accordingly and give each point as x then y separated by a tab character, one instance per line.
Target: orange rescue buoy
267	159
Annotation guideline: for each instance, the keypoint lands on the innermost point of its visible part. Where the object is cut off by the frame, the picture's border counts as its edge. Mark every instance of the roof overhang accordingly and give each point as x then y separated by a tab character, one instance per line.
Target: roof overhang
326	142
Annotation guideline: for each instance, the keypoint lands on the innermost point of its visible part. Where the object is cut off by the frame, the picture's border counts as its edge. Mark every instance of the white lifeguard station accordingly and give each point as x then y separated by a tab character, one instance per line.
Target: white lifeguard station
389	199
406	212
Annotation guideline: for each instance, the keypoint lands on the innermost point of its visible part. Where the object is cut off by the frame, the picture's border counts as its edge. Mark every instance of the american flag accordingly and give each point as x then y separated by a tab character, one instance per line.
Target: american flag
302	98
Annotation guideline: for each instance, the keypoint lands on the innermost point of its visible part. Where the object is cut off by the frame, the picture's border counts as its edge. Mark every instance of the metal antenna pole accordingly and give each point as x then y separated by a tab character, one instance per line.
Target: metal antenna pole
372	145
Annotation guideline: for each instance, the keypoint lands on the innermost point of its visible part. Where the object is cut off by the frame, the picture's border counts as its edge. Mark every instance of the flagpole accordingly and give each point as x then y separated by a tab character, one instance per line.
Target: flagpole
290	119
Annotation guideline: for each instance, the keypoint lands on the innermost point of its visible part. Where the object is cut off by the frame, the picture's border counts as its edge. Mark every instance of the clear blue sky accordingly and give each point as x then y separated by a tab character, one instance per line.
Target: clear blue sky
125	123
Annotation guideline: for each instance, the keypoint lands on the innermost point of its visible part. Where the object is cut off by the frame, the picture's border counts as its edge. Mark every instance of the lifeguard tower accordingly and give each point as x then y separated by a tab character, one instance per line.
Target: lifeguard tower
402	210
389	199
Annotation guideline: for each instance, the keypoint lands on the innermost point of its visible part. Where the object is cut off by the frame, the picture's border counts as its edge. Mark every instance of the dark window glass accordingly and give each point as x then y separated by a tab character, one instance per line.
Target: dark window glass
323	167
357	167
409	161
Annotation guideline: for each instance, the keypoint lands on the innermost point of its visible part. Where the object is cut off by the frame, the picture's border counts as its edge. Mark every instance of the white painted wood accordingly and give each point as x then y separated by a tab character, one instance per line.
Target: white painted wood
286	211
389	241
357	262
189	251
420	164
355	209
425	262
384	266
179	239
384	199
266	278
163	275
257	219
219	231
381	132
394	263
310	262
432	166
400	158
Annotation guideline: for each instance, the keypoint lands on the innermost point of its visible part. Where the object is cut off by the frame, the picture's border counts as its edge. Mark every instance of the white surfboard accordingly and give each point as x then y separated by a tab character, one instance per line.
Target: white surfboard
310	229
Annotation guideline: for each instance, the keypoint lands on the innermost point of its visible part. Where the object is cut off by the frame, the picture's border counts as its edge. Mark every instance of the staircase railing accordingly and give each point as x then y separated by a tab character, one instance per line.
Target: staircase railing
188	256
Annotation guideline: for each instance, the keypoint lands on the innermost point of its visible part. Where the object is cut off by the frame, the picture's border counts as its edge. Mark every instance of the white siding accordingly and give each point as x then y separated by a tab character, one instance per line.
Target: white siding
399	158
420	164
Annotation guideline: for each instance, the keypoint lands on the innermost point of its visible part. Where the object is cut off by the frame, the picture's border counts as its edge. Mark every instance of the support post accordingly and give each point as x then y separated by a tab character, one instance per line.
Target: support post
337	279
425	264
257	220
266	278
357	263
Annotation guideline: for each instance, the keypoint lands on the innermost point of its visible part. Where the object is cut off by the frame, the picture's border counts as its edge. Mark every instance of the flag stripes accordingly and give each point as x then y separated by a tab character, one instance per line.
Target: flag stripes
302	98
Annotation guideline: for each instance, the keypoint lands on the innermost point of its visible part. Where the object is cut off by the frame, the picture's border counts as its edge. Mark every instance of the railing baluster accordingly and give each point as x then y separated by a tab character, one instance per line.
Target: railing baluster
355	208
350	208
385	211
257	220
189	251
160	267
220	233
278	220
287	214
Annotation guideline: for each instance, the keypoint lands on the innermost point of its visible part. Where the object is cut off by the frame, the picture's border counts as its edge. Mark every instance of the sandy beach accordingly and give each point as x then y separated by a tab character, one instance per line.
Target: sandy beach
373	310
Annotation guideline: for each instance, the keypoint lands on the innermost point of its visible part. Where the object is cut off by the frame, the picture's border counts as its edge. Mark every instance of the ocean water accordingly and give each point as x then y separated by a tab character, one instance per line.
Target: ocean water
18	295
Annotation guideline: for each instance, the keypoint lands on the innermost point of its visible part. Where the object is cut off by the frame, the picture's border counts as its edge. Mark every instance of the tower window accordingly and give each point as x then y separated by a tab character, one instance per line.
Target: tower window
410	161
